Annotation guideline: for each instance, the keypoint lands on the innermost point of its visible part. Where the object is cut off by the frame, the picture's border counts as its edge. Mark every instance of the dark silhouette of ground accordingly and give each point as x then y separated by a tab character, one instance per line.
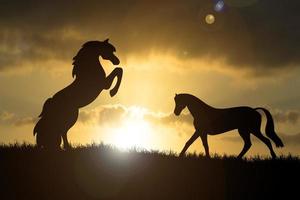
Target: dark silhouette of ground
213	121
60	112
99	172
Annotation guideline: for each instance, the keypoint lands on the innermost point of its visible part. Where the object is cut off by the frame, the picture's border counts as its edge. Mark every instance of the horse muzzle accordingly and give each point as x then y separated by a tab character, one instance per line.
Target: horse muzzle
115	60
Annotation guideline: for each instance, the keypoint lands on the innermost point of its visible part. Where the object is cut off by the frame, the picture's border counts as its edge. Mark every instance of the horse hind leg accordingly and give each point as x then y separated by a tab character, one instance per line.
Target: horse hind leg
48	141
71	119
40	140
66	142
265	140
247	142
53	140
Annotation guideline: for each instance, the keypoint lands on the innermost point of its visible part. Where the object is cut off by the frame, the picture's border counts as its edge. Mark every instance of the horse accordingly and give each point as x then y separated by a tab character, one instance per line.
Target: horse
212	121
60	112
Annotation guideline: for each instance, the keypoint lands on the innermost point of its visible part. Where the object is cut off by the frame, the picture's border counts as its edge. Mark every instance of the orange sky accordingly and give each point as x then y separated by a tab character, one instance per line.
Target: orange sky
166	51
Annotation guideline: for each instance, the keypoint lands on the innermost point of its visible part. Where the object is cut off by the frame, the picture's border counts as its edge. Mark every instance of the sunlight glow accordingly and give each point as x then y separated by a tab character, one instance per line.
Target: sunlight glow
134	131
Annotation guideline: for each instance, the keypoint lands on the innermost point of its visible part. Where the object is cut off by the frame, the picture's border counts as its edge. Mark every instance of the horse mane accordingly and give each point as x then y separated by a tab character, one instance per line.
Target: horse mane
194	99
84	56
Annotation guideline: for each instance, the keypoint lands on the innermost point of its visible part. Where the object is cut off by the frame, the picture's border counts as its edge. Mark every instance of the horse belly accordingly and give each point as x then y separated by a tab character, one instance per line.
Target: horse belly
87	98
213	127
219	127
67	119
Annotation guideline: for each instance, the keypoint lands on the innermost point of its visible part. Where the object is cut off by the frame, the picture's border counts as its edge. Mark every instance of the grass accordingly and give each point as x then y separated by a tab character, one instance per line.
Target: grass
103	172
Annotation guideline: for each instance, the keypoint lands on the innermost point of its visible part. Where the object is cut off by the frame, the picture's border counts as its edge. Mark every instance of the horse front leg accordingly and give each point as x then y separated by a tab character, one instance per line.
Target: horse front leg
205	144
117	72
188	143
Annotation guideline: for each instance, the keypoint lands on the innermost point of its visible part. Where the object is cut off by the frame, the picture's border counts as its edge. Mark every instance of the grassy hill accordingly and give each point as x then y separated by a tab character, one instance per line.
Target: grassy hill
102	172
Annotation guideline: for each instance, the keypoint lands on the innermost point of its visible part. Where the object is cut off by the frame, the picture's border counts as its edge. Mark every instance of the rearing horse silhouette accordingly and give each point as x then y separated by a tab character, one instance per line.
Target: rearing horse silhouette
213	121
60	112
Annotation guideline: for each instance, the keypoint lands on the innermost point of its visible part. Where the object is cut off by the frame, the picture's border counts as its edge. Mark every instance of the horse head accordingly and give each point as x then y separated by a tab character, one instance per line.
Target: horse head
179	104
106	51
91	51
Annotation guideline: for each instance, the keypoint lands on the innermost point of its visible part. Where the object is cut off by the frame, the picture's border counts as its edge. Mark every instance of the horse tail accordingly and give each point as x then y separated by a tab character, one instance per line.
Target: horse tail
36	128
46	109
270	132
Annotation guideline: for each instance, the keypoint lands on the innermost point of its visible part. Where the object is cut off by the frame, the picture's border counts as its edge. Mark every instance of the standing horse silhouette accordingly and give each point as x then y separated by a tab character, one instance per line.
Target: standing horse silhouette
213	121
60	112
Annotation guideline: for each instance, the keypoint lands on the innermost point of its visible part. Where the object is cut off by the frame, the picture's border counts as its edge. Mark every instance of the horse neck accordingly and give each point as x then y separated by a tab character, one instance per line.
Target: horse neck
90	69
197	106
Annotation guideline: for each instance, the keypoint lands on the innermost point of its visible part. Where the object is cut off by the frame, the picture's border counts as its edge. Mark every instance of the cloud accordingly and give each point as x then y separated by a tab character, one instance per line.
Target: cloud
104	114
22	49
291	139
114	114
7	118
262	36
287	139
168	119
287	117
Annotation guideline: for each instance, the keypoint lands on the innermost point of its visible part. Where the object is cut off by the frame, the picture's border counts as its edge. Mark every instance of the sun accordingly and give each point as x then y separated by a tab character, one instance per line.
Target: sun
135	131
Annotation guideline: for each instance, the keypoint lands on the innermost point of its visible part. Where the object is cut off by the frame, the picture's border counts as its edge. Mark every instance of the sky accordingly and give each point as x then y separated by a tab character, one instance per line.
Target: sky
247	52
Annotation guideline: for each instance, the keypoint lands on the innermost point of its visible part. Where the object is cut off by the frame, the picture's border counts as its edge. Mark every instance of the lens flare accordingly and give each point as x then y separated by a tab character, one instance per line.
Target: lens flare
210	19
219	6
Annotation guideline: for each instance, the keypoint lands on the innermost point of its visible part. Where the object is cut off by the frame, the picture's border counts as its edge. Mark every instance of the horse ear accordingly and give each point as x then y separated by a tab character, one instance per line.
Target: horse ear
176	94
106	40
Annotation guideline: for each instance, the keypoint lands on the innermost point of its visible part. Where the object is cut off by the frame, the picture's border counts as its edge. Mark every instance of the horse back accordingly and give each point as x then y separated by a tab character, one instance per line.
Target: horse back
222	120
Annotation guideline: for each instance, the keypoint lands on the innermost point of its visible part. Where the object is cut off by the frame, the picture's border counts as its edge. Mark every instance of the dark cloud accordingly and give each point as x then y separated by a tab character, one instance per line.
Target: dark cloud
19	49
261	35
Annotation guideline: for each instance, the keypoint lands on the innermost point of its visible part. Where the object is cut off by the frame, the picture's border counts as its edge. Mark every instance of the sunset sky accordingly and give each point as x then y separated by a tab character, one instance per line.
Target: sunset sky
249	54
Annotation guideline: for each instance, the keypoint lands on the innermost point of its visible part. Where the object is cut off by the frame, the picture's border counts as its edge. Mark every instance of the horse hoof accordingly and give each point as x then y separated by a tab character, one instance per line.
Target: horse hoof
113	92
67	147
